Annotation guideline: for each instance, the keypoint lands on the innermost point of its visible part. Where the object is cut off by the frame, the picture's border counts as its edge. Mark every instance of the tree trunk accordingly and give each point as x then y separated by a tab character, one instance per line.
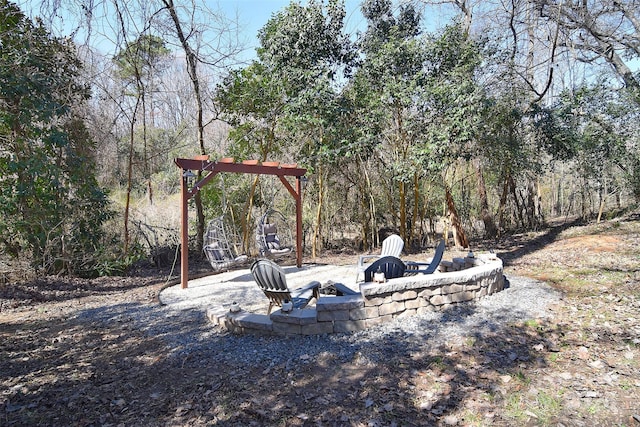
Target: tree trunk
132	123
459	236
318	224
367	200
145	148
416	206
192	70
532	206
127	203
583	199
127	207
503	203
372	209
403	210
539	210
518	207
490	230
363	199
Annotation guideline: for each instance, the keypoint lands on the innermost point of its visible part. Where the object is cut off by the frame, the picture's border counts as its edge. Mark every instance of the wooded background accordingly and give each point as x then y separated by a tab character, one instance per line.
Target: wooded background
510	114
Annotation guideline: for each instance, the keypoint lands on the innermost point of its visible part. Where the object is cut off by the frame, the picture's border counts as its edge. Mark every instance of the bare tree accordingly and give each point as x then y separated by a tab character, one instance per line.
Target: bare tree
188	32
599	30
208	39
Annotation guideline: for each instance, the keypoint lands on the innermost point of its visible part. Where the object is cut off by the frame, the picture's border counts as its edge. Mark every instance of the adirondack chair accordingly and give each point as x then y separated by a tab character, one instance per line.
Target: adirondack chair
391	246
391	266
271	278
427	267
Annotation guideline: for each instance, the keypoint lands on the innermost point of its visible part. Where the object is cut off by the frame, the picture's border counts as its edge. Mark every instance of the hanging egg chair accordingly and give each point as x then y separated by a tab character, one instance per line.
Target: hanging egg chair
220	245
273	235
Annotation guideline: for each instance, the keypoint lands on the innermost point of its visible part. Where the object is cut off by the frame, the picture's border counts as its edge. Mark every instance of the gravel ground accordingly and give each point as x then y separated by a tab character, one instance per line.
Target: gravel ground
181	322
105	352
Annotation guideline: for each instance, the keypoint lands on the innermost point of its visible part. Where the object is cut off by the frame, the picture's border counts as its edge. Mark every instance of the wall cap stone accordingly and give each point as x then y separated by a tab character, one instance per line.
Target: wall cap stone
437	279
377	303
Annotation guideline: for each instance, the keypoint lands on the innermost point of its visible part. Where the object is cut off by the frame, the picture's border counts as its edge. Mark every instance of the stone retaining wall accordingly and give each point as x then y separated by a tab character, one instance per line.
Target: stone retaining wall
458	281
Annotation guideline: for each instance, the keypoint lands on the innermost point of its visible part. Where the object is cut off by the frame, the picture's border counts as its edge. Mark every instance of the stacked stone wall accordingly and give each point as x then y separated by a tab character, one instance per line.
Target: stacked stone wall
458	282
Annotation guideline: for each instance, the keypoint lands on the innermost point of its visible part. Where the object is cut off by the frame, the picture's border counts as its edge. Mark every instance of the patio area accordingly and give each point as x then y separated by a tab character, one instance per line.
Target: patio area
220	290
457	282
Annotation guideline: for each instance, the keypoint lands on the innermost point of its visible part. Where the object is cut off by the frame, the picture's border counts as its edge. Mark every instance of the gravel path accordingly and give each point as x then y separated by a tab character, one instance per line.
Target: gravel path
181	322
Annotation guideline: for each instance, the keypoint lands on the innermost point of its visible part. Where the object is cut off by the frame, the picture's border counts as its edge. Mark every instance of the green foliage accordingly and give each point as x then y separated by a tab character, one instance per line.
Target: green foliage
306	41
395	114
51	206
454	104
252	100
602	127
109	263
382	22
286	101
387	85
140	56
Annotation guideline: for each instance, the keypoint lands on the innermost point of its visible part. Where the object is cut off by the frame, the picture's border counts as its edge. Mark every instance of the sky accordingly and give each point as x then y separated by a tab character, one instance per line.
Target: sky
254	14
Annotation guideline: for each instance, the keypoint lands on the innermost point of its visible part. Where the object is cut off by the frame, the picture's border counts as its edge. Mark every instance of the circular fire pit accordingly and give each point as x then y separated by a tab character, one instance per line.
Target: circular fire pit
457	281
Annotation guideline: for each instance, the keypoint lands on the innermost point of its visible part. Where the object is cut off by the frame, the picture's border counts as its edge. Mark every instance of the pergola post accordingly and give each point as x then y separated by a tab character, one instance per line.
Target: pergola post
184	230
202	163
298	197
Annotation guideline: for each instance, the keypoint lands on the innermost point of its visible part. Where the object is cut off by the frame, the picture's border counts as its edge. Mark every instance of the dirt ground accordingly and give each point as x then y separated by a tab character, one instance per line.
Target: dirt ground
581	368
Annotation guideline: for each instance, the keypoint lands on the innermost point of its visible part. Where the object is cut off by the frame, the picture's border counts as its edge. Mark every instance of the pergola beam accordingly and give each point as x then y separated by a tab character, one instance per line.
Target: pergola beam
203	164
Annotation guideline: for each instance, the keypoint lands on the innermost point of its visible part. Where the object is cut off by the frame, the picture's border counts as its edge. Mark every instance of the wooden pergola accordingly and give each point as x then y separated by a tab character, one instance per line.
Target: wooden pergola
203	164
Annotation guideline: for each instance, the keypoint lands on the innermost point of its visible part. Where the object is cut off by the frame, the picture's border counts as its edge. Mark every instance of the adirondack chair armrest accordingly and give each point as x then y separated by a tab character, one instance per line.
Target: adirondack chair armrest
311	285
308	291
366	259
418	263
414	268
342	290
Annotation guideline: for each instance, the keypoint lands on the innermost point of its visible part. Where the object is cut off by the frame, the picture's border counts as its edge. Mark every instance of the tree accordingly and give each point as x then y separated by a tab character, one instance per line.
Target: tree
307	49
428	102
193	60
282	103
393	70
143	34
136	64
393	126
454	108
601	31
51	206
602	128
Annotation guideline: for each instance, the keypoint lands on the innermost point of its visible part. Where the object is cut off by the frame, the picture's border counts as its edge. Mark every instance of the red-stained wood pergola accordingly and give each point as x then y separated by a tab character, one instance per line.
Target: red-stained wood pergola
202	163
